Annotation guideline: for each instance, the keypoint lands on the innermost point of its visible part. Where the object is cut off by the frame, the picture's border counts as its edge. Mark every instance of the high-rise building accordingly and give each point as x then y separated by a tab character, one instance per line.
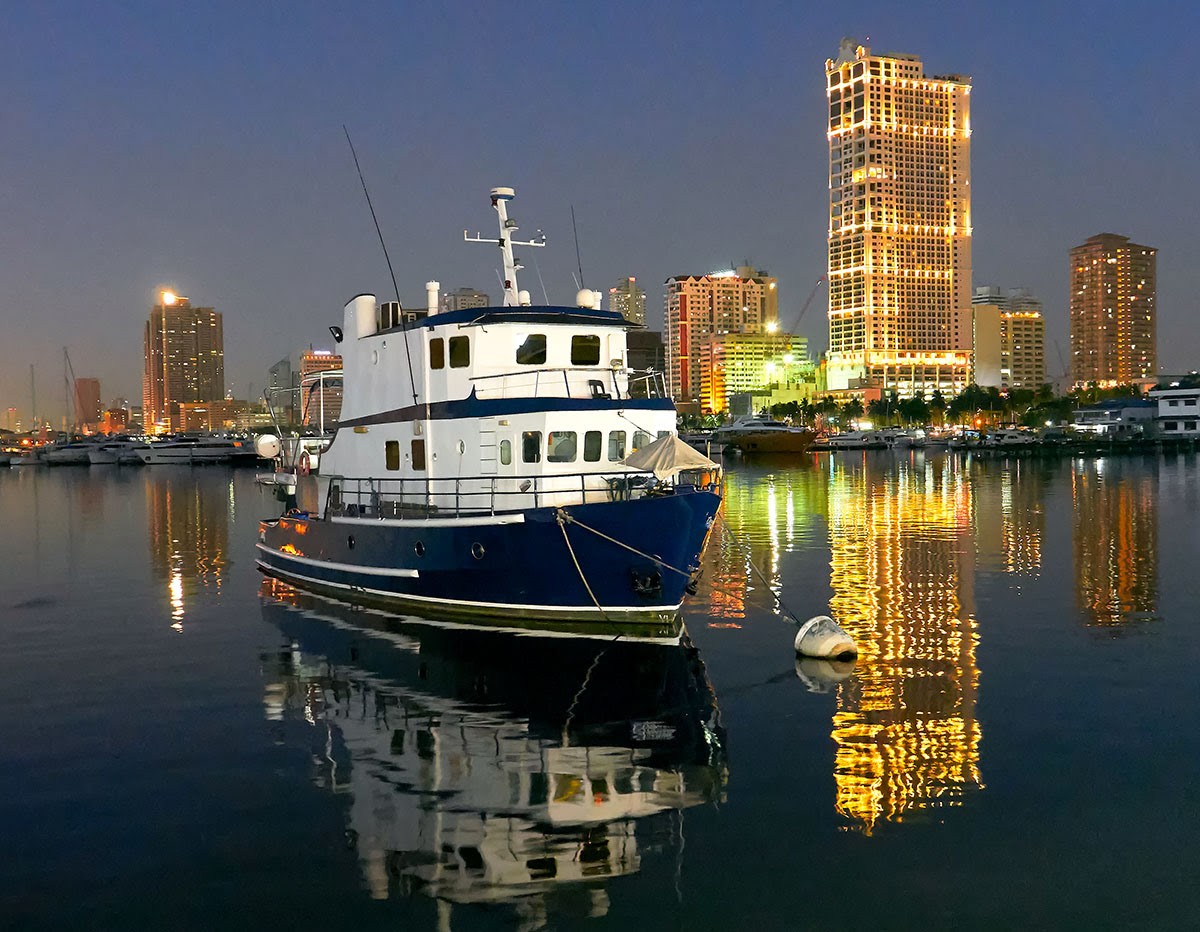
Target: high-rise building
280	385
742	363
899	224
321	398
88	407
744	300
185	360
463	298
1009	339
1113	314
628	300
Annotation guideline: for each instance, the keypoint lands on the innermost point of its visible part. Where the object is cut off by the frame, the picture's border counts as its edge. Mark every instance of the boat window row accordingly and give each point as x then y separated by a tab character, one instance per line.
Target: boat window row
391	454
531	349
460	353
562	446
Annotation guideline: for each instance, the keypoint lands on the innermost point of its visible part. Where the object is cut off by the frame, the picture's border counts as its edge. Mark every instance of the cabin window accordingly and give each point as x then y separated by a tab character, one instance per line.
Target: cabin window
391	451
531	446
460	352
437	353
640	439
560	446
585	350
663	433
418	453
616	446
506	452
531	349
593	443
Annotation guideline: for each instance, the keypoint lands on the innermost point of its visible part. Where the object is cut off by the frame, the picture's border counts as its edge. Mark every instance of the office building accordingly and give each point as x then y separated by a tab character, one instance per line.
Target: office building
1009	339
628	300
899	224
745	300
184	360
1113	313
462	298
746	363
88	407
321	398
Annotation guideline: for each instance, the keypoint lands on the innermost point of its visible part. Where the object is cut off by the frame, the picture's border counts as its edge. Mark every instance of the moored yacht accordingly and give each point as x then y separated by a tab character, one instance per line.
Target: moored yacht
751	434
479	467
196	451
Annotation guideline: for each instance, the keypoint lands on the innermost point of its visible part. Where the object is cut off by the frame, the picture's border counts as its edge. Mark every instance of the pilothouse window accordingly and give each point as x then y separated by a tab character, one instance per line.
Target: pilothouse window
391	451
531	446
593	442
561	445
616	446
460	352
585	350
640	439
437	353
531	349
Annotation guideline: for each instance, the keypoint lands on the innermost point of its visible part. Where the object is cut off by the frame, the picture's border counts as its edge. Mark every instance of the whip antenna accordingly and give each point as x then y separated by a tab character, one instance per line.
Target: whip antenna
387	258
578	261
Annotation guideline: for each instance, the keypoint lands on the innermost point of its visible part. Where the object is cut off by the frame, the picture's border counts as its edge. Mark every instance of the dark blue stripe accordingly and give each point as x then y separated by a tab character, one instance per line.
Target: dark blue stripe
472	406
549	314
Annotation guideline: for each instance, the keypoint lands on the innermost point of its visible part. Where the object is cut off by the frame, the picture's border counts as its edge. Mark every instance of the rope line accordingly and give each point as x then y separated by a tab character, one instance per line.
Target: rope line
579	569
766	582
564	516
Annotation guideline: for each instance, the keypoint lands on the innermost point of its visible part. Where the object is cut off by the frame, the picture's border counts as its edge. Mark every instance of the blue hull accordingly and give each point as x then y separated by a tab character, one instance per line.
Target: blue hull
512	564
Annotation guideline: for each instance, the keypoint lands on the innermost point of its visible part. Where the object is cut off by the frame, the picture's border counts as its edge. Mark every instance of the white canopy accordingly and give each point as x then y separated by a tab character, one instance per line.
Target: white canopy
667	457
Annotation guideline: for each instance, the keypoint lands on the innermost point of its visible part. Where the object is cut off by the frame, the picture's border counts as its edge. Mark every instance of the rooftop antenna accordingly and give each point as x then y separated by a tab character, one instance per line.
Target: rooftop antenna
578	261
500	198
537	268
379	233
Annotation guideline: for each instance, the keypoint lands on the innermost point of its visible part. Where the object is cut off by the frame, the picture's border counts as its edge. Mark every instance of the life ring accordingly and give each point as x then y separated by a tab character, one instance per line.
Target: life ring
305	464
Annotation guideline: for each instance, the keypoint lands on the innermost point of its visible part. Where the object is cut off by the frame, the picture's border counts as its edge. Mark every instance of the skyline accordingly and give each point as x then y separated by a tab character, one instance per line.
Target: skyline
160	148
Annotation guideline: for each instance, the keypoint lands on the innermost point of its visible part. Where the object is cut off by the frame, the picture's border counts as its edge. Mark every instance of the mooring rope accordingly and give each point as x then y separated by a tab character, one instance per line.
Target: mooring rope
766	582
564	516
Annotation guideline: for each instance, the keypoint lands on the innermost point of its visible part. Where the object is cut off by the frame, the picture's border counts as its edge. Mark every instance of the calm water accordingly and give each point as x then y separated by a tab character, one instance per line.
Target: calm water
185	746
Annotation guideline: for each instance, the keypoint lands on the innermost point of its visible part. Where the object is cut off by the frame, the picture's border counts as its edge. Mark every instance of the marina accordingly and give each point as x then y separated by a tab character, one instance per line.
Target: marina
1024	633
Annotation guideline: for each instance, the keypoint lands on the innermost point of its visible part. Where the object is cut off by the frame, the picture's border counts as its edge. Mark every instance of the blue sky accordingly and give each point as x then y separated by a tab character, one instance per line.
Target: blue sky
200	146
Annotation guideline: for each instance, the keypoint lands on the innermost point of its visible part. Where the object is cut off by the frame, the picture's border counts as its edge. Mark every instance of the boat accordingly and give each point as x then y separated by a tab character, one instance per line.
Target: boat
68	454
478	468
1006	437
116	452
750	434
855	440
197	451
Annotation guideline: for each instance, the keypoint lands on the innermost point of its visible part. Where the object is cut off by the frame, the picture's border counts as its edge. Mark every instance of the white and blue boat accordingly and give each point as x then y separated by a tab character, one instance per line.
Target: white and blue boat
478	471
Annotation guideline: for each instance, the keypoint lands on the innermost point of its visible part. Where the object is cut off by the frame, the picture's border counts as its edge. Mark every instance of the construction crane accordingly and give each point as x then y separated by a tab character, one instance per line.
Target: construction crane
809	300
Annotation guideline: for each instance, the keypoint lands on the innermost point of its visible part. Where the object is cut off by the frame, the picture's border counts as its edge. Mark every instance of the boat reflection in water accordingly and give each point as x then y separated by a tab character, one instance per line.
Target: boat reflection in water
487	767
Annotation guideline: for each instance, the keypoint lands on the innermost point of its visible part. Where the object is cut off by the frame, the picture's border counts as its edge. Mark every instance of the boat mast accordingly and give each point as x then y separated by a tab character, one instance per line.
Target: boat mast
500	197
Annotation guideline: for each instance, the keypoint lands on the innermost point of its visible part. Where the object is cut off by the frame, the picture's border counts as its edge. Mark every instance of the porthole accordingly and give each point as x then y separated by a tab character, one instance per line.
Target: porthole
374	357
350	541
477	550
462	448
419	549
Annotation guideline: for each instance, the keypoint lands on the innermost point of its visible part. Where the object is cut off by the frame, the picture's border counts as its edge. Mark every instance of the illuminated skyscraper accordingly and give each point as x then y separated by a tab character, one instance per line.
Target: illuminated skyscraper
628	300
321	399
1010	339
702	306
899	224
184	359
88	407
1113	315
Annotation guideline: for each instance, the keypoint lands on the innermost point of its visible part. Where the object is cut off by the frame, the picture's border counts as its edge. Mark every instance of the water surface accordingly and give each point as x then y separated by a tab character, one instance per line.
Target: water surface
188	745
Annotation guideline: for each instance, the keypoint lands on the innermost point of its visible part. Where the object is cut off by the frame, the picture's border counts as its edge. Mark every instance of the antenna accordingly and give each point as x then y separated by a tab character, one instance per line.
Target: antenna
396	288
578	261
537	268
500	198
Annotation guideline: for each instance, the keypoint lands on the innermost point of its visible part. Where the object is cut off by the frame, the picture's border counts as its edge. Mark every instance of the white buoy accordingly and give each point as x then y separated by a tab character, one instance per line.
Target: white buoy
267	446
820	636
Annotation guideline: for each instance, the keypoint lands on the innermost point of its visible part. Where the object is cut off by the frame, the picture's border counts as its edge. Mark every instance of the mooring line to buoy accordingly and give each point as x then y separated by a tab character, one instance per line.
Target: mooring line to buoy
565	516
766	582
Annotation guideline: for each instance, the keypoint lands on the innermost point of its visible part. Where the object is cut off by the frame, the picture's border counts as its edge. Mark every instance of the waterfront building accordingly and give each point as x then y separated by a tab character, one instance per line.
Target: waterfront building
115	421
321	402
745	363
184	360
1009	339
463	298
628	300
1113	311
1117	417
88	407
744	300
212	416
1177	411
899	224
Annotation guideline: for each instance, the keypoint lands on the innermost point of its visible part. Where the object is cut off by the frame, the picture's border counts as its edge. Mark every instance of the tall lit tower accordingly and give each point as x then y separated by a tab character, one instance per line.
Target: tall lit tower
1113	315
628	300
185	359
899	223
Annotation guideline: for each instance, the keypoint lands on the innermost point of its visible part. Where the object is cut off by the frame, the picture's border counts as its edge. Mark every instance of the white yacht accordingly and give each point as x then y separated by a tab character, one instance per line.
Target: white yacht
751	434
197	451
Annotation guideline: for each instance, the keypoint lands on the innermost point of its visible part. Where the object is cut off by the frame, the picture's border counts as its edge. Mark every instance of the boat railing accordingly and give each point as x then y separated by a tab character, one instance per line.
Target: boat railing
571	382
490	495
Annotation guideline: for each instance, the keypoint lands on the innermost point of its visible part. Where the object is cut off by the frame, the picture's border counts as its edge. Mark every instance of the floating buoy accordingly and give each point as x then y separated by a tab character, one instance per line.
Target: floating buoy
820	675
820	636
